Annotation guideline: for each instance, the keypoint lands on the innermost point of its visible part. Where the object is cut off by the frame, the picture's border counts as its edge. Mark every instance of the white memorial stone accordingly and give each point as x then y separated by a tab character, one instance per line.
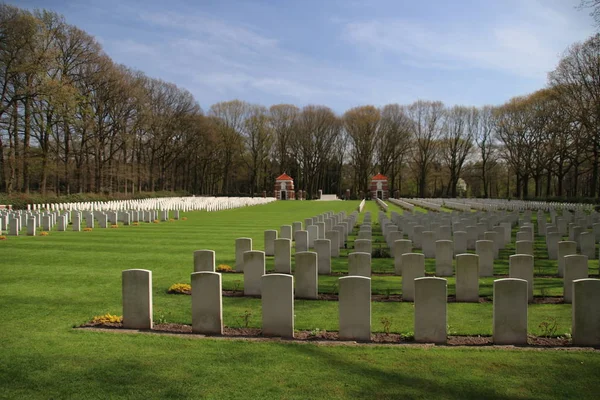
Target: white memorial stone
207	303
355	308
467	278
521	267
204	261
137	299
413	267
306	272
510	311
277	305
430	309
254	269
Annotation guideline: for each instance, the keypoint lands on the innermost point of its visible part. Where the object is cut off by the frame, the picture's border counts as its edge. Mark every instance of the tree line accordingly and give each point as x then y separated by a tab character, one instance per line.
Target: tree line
73	121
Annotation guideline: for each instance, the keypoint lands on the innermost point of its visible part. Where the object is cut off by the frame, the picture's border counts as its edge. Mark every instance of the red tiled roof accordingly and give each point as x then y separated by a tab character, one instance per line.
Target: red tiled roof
379	177
284	177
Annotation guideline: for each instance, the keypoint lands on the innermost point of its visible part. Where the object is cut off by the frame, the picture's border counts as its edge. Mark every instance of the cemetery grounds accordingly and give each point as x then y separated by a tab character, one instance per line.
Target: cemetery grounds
49	285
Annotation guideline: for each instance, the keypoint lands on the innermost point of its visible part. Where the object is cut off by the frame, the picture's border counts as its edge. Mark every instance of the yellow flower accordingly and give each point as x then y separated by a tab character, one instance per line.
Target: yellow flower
180	288
107	318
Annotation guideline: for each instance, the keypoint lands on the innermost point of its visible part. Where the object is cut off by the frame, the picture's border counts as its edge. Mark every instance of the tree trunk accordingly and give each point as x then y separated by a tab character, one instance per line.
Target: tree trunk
67	134
26	139
525	182
594	185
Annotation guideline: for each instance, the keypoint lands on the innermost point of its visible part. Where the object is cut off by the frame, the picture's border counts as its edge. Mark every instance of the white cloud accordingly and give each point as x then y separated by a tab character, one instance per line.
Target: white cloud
224	60
131	46
528	46
217	30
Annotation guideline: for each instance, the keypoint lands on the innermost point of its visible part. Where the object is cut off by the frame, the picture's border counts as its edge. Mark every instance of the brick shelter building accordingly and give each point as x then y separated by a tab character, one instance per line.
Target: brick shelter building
284	187
379	187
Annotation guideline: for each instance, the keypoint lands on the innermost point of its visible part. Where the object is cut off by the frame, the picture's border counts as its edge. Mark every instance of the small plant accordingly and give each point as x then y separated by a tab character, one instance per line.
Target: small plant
334	288
180	288
388	292
107	319
171	220
44	233
224	268
315	332
184	218
135	223
160	317
87	229
114	226
387	324
451	331
245	317
155	221
408	336
2	237
549	328
380	252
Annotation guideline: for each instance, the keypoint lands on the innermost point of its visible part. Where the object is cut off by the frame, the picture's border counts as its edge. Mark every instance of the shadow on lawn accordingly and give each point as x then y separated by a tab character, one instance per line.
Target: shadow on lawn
402	383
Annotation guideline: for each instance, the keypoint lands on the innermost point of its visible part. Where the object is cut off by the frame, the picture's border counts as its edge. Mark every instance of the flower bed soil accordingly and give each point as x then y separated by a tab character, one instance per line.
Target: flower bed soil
332	336
388	298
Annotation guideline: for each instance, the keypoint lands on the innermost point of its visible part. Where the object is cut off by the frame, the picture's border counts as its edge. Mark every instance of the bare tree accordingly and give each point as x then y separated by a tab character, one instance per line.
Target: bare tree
318	131
362	126
258	141
577	81
283	120
230	118
594	5
484	138
393	143
427	118
457	141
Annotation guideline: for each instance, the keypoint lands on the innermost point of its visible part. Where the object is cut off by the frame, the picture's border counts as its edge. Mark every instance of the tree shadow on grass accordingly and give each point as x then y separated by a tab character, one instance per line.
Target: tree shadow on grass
402	382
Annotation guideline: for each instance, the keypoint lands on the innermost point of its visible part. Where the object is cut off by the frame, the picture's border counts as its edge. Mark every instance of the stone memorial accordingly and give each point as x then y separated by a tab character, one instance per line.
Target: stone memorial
430	309
242	245
204	261
510	311
277	305
413	267
207	303
306	273
137	299
355	308
283	256
467	278
521	267
254	269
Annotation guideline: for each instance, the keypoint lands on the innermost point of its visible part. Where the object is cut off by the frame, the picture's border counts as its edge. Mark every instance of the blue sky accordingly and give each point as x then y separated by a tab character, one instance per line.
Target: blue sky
334	52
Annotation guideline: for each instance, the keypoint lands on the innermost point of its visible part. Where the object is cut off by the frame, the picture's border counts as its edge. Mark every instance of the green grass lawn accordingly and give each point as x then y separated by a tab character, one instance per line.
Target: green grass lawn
50	284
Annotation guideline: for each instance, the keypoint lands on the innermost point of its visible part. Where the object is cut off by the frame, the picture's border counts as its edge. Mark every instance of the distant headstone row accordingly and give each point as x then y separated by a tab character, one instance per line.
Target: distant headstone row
461	204
163	203
13	222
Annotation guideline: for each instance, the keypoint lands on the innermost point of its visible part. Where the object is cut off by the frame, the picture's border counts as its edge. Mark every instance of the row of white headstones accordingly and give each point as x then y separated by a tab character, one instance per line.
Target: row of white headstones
47	216
511	296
